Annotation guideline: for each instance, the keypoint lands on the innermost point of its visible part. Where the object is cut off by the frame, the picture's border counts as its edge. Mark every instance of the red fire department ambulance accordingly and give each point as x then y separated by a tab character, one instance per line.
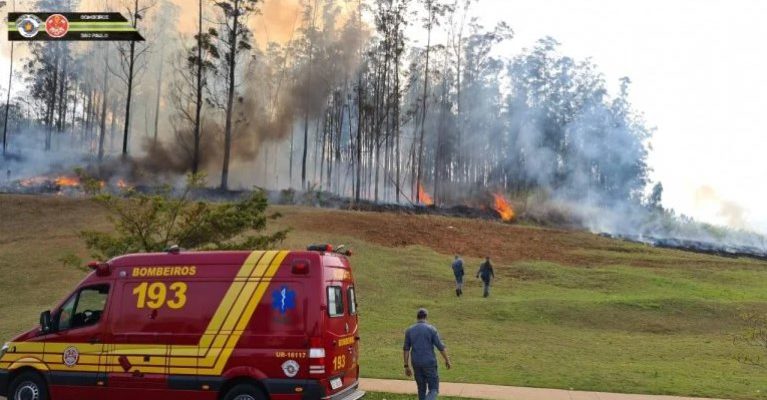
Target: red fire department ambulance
278	325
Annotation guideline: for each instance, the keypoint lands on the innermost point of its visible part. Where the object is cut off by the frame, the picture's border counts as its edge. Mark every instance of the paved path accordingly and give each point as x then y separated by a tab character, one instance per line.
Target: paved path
504	392
491	392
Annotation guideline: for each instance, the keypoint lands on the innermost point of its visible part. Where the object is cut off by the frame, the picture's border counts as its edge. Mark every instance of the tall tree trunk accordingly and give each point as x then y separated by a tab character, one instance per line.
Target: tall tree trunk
61	121
440	157
322	155
290	157
306	150
113	125
104	96
230	98
8	96
88	115
8	100
397	122
358	157
337	166
92	111
265	172
459	139
159	94
306	112
75	98
129	96
53	92
424	103
359	139
198	105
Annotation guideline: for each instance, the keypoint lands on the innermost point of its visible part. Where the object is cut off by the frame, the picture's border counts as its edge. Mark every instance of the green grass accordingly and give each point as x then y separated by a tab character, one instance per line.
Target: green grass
610	328
616	329
636	320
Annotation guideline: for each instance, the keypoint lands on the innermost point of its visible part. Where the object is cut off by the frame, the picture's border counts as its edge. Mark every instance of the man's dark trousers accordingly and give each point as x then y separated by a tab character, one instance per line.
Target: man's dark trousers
427	379
487	286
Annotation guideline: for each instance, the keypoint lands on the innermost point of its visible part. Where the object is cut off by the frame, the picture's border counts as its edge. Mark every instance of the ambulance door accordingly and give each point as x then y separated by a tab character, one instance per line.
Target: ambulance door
137	359
197	328
195	333
73	351
341	329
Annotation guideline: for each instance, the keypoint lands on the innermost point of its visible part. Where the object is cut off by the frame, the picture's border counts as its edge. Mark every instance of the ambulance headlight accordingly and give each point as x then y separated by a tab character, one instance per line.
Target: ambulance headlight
4	349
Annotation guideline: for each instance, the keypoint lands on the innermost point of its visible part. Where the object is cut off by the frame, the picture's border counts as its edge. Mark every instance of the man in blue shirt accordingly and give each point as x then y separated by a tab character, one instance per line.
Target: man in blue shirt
458	272
420	341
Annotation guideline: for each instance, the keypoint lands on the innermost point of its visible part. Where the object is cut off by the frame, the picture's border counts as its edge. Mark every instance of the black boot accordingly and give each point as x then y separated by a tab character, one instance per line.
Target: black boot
460	292
457	292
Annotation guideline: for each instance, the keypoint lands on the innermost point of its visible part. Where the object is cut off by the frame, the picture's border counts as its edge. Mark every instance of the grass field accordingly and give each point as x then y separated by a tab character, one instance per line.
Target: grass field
569	310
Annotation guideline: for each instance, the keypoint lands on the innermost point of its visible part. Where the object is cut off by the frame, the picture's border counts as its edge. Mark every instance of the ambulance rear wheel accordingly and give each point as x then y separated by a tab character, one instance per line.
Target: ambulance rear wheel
28	386
244	391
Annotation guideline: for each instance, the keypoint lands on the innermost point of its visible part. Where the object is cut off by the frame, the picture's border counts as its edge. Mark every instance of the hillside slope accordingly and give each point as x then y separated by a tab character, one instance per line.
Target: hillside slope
569	309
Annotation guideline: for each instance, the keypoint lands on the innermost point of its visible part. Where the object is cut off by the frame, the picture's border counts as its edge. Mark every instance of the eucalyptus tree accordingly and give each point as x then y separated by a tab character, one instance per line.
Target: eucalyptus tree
233	43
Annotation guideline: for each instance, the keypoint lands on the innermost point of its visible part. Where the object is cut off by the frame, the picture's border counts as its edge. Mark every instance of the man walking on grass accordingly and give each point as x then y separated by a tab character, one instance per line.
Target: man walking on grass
458	272
420	341
486	273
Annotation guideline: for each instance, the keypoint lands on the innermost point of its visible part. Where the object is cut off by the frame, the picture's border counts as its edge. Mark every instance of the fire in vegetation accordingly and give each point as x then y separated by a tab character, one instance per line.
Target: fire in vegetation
122	184
424	197
503	208
66	181
61	184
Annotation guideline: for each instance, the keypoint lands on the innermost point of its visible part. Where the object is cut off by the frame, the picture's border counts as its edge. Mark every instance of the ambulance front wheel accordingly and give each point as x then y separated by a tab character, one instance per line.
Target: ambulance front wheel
244	391
28	386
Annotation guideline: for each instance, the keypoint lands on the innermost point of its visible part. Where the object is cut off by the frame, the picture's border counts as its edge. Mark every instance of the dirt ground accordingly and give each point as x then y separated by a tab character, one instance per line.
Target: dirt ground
478	238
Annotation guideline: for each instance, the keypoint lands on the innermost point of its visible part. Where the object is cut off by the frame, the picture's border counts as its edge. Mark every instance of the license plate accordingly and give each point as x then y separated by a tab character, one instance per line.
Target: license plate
336	383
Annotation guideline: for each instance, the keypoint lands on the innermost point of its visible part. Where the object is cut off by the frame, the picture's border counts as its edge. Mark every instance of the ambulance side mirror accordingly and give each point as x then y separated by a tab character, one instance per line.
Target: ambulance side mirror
45	322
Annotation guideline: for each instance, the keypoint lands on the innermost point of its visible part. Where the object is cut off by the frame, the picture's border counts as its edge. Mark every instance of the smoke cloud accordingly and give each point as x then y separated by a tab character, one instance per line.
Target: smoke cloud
733	215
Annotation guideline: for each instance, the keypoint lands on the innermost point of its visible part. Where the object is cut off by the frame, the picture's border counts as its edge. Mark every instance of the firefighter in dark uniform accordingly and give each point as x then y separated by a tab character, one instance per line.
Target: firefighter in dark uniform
420	341
486	273
458	273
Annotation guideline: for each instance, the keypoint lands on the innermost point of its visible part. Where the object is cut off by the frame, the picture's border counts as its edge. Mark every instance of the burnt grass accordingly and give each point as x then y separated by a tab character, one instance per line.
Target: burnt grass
508	242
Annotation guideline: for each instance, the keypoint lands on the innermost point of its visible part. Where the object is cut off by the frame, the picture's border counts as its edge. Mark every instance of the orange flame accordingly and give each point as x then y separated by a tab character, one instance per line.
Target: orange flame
503	208
424	197
121	184
66	181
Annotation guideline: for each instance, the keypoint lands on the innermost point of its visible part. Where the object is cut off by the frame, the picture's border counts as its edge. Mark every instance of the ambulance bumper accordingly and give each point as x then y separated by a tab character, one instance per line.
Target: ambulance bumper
351	393
310	389
4	382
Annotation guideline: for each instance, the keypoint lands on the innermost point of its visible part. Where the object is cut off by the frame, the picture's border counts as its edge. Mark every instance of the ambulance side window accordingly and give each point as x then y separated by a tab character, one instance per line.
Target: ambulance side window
84	308
352	297
65	314
335	301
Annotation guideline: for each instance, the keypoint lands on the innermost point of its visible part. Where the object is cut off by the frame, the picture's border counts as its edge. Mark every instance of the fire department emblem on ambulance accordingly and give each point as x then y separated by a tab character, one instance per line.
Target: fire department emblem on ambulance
71	356
290	368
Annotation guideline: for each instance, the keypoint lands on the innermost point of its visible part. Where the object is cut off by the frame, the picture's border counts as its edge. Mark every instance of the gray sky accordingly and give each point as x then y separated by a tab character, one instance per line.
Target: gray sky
699	72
